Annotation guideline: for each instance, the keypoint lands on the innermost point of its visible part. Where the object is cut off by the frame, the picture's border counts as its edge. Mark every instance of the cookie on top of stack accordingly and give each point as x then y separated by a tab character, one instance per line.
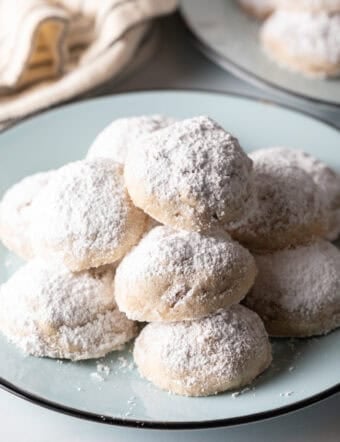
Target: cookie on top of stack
155	226
301	35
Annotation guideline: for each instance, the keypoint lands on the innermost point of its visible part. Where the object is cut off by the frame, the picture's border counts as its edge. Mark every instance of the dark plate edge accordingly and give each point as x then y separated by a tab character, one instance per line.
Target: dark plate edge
164	425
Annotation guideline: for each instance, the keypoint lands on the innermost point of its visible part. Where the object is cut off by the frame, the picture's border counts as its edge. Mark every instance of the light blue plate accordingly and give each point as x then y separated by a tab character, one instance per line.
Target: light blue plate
230	38
303	371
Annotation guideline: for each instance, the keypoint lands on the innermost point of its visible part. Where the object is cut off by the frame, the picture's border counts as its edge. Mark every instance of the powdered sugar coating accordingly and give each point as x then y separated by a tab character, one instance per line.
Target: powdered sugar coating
258	8
305	41
191	175
48	311
15	213
199	358
85	216
114	141
290	209
327	180
297	292
178	275
310	5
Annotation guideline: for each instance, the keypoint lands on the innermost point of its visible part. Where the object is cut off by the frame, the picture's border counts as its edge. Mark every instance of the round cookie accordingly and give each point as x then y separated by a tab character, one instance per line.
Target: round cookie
309	5
178	275
114	141
304	42
85	216
192	175
327	180
46	310
297	292
199	358
15	213
259	9
290	209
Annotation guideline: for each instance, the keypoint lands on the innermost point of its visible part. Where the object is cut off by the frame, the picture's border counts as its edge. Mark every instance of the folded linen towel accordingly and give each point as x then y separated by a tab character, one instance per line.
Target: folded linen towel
54	50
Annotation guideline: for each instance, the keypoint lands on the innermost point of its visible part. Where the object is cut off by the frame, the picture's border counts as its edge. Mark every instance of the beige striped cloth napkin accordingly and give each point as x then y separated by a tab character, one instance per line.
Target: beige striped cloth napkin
54	50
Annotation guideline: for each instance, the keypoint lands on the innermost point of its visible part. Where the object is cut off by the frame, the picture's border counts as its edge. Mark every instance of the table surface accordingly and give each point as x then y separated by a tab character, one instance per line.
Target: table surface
177	64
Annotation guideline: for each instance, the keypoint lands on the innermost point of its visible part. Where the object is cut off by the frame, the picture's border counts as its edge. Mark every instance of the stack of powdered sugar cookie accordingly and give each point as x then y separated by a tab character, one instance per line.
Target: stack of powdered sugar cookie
172	224
302	35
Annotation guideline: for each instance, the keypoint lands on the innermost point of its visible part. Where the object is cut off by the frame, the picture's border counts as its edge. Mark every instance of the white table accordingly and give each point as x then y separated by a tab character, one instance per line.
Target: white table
177	65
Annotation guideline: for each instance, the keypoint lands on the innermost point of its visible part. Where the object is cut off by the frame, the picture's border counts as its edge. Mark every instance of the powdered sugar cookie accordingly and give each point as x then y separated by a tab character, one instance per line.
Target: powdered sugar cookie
15	213
48	311
177	275
310	5
297	292
199	358
191	175
305	42
85	216
259	9
290	209
114	141
327	180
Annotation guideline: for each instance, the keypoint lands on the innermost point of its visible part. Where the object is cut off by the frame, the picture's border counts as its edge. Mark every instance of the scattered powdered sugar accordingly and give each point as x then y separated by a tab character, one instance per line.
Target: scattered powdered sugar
286	394
123	362
85	215
15	212
103	369
244	390
114	141
95	376
305	34
220	346
48	311
101	374
302	283
193	167
131	405
177	266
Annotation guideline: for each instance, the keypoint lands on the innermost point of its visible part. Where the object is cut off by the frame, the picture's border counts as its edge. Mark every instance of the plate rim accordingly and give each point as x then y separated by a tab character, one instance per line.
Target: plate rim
168	425
243	73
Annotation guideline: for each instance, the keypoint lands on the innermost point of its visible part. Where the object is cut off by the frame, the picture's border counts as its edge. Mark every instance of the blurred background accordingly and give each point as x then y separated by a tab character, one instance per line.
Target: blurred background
53	52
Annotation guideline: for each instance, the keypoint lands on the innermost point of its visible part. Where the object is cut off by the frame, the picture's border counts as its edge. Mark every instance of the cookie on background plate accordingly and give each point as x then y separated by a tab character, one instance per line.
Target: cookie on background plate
304	42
